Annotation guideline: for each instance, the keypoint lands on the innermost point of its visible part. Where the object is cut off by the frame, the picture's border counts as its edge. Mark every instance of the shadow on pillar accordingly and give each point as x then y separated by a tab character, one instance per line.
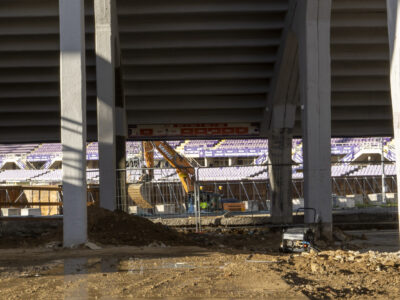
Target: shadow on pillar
122	198
120	139
280	175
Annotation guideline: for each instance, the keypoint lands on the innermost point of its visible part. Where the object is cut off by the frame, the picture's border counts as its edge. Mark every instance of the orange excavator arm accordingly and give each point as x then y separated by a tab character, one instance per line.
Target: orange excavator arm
149	157
183	167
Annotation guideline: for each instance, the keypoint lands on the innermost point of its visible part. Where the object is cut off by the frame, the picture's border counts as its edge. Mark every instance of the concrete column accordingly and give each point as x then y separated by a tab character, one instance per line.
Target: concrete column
73	120
230	162
105	76
315	96
393	16
121	132
280	175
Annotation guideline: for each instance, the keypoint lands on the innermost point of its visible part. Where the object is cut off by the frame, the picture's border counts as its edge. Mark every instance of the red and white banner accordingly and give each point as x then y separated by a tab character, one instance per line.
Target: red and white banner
205	130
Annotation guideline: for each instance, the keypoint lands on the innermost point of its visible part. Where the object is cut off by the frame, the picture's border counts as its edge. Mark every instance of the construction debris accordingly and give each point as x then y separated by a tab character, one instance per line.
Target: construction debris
343	274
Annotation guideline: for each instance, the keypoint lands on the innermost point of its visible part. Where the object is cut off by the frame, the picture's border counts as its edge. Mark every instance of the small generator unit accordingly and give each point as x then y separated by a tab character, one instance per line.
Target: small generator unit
297	239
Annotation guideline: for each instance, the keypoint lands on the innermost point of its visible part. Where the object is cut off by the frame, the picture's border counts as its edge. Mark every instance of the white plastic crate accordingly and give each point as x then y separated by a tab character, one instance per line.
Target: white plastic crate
251	205
10	212
165	209
136	210
31	212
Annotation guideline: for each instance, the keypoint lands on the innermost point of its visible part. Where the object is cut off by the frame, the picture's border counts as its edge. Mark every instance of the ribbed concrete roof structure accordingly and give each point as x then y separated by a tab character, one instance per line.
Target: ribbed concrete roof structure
29	71
191	61
360	68
211	61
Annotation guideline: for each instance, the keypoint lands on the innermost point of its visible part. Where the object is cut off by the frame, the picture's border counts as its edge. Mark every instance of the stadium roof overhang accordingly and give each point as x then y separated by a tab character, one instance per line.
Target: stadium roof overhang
204	66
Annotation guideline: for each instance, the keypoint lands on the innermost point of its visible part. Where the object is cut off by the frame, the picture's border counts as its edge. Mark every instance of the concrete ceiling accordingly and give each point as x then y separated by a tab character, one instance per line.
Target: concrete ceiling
190	61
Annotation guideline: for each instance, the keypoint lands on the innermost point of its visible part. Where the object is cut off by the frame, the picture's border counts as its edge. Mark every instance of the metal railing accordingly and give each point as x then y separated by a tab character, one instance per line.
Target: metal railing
357	186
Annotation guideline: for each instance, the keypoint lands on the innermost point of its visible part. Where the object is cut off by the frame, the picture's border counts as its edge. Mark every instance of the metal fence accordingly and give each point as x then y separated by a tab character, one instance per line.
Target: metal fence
354	185
357	185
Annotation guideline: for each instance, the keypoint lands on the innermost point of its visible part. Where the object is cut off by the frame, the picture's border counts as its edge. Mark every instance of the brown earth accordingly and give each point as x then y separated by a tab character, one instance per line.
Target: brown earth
135	273
232	264
196	273
120	228
109	228
344	274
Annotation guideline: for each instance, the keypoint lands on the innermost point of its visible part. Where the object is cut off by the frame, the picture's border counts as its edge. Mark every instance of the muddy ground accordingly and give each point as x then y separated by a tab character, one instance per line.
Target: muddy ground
230	264
133	258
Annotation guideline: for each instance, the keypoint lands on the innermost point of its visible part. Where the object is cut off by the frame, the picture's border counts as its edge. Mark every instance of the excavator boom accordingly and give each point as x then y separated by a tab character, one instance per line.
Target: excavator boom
183	167
140	194
149	158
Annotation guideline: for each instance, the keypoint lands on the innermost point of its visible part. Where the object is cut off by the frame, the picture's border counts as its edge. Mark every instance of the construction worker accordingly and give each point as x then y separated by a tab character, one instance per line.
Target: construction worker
203	205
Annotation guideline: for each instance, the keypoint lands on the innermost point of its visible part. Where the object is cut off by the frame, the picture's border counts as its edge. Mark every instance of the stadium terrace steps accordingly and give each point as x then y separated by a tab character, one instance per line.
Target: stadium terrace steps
259	148
20	175
218	144
360	68
196	58
203	148
208	58
252	176
181	146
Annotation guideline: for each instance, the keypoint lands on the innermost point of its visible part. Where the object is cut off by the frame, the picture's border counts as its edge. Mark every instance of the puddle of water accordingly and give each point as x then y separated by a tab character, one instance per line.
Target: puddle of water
110	265
75	279
76	272
79	268
137	266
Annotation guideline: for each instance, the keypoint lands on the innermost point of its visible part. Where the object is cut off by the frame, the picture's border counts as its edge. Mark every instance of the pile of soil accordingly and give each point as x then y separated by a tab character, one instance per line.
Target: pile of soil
120	228
104	227
31	239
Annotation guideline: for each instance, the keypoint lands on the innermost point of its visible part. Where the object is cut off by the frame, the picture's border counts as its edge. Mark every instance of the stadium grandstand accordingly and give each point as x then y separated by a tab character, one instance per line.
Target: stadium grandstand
221	159
291	95
363	173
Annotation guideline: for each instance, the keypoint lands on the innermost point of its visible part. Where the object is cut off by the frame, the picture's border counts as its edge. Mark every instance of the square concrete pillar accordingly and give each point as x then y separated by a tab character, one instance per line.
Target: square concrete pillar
315	95
73	119
111	118
105	76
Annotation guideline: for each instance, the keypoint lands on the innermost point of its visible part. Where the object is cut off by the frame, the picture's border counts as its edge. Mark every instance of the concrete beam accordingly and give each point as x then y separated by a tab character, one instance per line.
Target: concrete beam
279	112
393	17
105	77
313	30
73	120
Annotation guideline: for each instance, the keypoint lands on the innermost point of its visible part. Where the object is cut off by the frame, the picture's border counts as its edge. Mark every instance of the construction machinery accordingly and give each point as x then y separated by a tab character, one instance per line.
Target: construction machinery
209	201
140	193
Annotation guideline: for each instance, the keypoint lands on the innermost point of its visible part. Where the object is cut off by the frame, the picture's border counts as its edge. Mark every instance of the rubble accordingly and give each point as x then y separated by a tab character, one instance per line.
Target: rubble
334	273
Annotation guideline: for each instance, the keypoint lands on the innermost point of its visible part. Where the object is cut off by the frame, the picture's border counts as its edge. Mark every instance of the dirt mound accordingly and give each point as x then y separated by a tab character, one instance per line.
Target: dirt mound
104	227
120	228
